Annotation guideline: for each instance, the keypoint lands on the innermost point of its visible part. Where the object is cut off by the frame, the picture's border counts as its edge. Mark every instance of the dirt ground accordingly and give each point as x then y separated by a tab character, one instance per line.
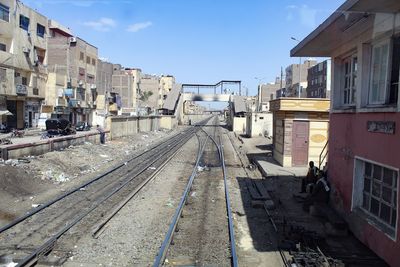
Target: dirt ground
30	181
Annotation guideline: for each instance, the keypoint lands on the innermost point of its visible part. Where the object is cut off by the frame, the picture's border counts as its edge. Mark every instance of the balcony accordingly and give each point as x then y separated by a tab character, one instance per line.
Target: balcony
6	58
61	102
6	29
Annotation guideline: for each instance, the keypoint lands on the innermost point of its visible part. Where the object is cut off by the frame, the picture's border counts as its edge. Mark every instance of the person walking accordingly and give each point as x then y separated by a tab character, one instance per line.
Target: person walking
102	134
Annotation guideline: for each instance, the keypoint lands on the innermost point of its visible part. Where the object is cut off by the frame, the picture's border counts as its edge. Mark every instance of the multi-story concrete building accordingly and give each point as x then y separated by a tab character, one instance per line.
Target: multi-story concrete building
319	80
167	82
363	40
125	86
23	55
295	74
267	92
72	65
149	93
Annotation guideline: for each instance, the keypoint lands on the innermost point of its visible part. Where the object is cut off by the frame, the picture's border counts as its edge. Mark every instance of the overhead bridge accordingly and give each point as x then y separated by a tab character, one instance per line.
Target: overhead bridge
206	97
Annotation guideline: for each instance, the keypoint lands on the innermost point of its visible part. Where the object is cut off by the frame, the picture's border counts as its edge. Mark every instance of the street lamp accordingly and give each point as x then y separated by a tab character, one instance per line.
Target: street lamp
294	39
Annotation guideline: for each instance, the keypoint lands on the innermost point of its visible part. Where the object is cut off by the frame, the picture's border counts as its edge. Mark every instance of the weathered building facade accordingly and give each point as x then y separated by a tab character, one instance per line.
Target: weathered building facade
300	130
72	66
296	74
319	80
23	55
363	40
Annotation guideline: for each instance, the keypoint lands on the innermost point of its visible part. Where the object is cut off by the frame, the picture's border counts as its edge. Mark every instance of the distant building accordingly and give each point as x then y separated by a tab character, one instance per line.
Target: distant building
267	92
296	73
319	80
150	93
125	88
72	66
167	82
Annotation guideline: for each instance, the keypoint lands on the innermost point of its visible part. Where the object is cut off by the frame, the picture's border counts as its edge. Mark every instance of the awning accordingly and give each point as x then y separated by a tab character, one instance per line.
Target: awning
6	113
339	27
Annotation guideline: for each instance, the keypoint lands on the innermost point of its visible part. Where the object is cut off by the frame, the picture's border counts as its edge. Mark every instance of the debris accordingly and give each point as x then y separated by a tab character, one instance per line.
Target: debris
36	205
193	194
202	168
82	189
103	156
152	168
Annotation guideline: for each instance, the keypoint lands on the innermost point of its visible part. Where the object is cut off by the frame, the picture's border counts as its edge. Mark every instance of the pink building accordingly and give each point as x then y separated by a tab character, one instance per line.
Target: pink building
363	40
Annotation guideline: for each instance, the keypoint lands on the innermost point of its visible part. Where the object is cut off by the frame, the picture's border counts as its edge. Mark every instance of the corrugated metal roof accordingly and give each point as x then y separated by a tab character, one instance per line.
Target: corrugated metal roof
172	97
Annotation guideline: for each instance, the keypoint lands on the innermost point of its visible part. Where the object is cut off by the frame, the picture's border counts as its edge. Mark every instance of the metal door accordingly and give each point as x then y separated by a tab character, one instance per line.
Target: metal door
300	143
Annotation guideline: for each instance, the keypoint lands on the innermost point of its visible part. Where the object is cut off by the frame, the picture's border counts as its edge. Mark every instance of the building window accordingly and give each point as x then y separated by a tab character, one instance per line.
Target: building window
3	47
384	83
24	22
87	60
4	13
350	80
81	56
378	185
93	62
24	81
40	30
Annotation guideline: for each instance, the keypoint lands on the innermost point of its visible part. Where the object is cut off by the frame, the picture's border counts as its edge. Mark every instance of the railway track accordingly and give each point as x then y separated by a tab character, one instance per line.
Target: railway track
35	234
201	231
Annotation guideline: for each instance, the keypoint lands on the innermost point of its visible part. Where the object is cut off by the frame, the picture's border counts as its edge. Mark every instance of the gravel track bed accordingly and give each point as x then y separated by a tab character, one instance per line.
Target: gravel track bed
134	235
203	236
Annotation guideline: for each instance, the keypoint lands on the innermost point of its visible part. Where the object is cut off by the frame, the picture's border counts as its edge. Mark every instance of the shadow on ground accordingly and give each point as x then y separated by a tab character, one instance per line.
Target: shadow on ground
296	226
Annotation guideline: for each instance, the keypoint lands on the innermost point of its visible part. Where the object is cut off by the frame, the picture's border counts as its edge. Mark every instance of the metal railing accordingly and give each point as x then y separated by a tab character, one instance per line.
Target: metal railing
323	155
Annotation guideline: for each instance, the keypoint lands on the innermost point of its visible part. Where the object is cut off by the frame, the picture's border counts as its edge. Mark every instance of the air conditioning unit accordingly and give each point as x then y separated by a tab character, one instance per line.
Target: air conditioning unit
26	50
80	82
44	102
93	86
72	39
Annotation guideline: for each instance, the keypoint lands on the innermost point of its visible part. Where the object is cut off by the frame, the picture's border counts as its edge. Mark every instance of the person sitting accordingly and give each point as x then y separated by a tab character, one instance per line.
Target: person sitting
320	192
311	177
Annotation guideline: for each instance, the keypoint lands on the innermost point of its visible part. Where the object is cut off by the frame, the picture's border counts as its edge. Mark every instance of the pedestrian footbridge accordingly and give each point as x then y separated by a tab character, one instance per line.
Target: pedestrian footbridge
228	91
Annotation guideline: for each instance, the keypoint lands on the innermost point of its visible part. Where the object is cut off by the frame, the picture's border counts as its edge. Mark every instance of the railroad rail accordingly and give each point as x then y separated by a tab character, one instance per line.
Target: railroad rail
50	221
165	246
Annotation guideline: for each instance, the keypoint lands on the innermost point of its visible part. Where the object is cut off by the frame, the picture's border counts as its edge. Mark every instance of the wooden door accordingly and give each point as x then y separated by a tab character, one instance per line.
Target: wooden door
300	143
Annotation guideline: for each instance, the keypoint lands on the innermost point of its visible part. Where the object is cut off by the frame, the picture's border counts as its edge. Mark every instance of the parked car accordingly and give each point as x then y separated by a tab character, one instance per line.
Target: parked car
82	126
56	127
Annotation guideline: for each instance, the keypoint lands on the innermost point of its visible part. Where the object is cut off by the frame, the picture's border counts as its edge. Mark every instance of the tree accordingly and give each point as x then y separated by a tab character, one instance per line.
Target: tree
144	96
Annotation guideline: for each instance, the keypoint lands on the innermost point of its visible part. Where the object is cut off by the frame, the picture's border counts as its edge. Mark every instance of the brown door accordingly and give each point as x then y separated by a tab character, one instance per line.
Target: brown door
300	143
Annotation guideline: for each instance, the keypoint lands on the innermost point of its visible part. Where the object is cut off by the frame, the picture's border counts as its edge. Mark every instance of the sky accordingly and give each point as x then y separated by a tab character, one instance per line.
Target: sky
197	41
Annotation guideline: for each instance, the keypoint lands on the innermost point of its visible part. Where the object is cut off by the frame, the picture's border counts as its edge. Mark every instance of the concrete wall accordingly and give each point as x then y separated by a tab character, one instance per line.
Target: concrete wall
350	139
128	125
259	124
239	125
168	122
38	148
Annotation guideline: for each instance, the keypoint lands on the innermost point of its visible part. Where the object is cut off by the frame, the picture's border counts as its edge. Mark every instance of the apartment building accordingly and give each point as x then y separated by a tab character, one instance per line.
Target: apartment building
23	55
296	78
267	92
363	40
149	93
167	82
72	66
319	80
125	88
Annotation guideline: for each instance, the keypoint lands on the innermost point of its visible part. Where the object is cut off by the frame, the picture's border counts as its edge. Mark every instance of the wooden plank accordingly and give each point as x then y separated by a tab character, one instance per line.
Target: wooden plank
253	191
262	190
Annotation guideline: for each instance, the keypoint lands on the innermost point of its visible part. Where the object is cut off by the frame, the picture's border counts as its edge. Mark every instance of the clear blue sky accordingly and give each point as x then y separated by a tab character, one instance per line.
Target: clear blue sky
197	41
